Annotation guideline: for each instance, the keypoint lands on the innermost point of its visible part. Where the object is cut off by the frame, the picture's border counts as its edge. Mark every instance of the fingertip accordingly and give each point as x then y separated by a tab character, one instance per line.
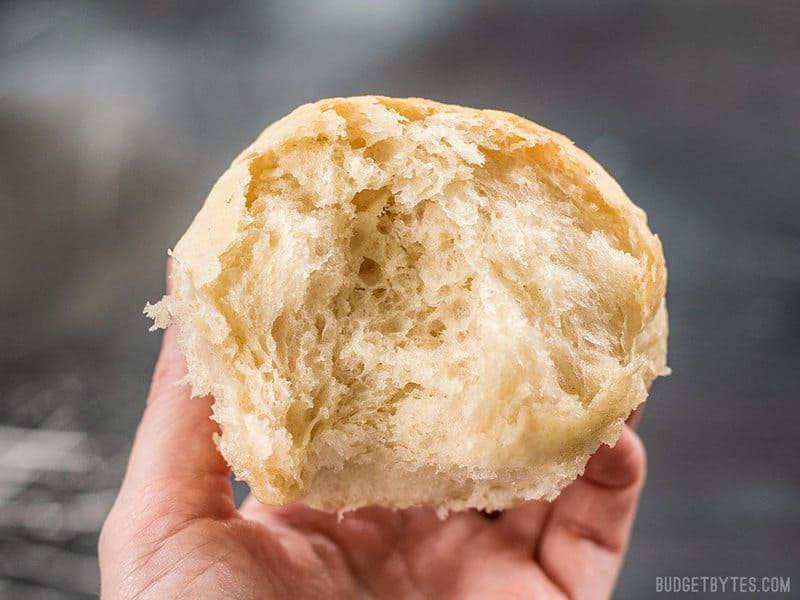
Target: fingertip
619	466
635	417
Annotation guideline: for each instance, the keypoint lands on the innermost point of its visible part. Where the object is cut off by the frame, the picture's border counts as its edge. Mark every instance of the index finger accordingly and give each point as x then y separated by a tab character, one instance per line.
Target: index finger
586	534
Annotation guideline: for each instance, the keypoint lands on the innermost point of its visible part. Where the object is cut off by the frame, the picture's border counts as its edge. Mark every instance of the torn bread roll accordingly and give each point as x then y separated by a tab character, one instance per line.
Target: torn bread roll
401	302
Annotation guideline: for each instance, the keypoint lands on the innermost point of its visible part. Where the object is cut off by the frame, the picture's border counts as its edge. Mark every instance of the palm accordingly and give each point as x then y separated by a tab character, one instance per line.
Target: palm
373	552
175	532
414	554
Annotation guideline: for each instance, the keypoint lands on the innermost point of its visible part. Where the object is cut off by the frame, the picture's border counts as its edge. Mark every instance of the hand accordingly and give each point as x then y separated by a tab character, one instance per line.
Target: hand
174	531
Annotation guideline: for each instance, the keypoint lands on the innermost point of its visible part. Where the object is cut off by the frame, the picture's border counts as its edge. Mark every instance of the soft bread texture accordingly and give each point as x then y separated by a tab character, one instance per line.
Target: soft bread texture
402	302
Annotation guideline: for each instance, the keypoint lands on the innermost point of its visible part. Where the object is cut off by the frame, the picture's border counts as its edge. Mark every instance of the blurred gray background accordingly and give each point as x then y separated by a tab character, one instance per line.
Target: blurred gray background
116	118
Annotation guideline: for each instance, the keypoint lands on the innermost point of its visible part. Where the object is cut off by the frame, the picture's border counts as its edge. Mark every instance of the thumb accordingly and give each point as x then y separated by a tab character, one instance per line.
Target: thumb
174	459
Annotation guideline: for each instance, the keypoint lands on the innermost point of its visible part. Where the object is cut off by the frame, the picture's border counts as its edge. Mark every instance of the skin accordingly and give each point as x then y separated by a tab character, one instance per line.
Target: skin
174	531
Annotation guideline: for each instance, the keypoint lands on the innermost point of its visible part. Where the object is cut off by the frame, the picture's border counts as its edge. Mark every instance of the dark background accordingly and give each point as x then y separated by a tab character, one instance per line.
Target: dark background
116	118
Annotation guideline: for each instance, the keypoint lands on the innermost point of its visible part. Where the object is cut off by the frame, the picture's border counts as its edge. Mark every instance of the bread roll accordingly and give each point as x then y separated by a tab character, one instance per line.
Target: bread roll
401	302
